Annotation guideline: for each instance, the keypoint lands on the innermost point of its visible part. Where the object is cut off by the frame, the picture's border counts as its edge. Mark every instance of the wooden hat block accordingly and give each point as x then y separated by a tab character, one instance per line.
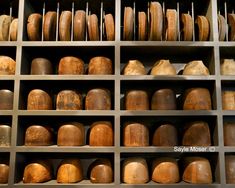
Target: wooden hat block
163	68
4	173
6	99
101	134
230	169
38	135
5	135
135	135
76	132
100	66
134	67
7	65
101	171
41	66
71	65
137	100
228	100
70	171
196	68
229	134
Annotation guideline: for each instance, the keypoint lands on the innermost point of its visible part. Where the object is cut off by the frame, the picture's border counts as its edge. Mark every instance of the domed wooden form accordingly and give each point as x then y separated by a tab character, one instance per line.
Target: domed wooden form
197	99
100	66
98	99
137	100
165	170
197	170
72	134
229	134
7	65
196	68
5	135
68	100
38	135
163	67
163	99
6	99
101	171
230	169
101	134
41	66
228	100
135	135
70	171
135	171
37	172
134	67
71	65
197	133
227	67
165	135
39	100
4	173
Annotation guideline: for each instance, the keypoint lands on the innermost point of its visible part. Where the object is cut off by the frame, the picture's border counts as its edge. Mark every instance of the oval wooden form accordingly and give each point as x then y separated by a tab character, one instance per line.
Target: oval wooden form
165	170
5	22
171	30
134	67
101	171
203	27
37	135
6	99
222	26
101	134
142	26
4	173
109	27
79	25
39	100
49	26
197	133
5	135
14	29
163	67
70	171
228	100
76	132
135	135
37	172
7	65
98	99
196	68
227	67
68	100
100	66
163	99
128	28
41	66
231	22
34	26
137	100
71	65
165	135
229	134
135	171
229	168
197	170
197	99
65	25
187	32
93	27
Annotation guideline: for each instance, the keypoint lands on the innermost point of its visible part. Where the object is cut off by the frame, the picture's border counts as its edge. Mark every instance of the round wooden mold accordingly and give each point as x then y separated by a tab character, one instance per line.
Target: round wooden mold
6	99
134	67
163	67
41	66
4	173
71	66
228	100
100	66
5	135
229	168
136	100
229	134
7	65
196	68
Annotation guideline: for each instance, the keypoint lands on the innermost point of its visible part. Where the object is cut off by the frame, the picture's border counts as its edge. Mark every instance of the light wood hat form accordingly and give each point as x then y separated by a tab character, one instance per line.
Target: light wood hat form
228	100
163	67
196	68
70	65
134	67
227	67
7	65
4	172
70	171
100	66
101	171
229	168
5	135
6	99
229	134
136	100
41	66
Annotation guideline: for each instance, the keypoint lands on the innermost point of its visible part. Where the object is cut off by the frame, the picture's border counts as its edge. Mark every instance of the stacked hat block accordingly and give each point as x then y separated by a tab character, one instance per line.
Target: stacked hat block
92	94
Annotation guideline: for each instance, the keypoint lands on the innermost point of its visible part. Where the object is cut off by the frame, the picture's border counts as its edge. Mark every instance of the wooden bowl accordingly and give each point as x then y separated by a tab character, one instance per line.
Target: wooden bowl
7	65
5	135
76	132
165	170
4	173
136	100
39	100
37	172
37	135
229	134
41	66
163	99
197	99
100	66
6	99
228	100
101	134
71	65
165	135
68	100
101	171
163	67
196	68
98	99
197	133
70	171
135	135
229	168
197	170
135	171
134	67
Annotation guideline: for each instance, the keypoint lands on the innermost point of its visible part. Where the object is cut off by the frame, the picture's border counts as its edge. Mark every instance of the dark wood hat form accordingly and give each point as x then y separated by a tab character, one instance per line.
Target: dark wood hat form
229	134
41	66
101	134
137	100
5	135
100	66
71	134
71	66
70	171
4	173
101	171
230	169
6	99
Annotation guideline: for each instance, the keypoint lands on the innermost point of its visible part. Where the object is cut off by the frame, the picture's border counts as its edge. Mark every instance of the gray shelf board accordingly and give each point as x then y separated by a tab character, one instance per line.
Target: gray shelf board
5	149
226	44
227	78
7	77
228	112
229	149
3	185
6	113
10	43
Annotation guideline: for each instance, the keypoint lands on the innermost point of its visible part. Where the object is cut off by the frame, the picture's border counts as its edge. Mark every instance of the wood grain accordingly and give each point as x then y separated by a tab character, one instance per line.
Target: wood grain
5	22
203	28
79	25
172	27
163	67
227	67
134	67
49	26
14	29
100	66
93	27
109	27
187	31
136	100
65	26
228	100
6	99
142	26
34	26
128	24
222	27
41	66
70	65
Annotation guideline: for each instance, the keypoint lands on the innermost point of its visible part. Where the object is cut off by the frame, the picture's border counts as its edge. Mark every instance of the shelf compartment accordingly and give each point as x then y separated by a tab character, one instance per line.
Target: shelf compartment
5	136
4	160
